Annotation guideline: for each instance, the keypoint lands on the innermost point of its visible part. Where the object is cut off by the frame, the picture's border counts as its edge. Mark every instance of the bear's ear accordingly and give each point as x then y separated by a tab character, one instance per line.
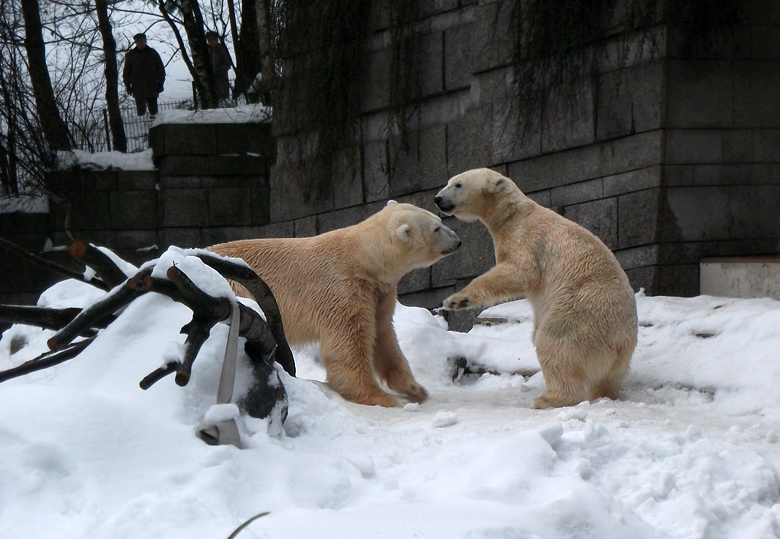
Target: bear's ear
402	232
391	202
497	184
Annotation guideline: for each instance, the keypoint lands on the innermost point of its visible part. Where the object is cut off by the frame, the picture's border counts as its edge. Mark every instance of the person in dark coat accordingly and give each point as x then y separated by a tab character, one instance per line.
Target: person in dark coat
144	75
220	65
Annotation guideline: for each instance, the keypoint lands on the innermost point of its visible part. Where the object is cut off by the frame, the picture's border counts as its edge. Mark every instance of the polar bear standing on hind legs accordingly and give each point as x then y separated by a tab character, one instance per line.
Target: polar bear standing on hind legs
585	319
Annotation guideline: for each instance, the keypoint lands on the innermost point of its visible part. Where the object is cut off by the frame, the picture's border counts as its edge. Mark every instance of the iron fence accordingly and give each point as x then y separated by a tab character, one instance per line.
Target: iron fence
92	132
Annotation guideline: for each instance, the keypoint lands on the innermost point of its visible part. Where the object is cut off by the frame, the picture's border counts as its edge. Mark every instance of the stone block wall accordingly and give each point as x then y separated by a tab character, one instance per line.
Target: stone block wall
665	157
210	184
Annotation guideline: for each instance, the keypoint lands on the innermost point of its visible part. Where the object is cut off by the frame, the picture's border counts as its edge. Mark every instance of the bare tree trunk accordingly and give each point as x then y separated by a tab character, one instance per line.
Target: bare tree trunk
112	77
247	49
196	37
266	55
54	129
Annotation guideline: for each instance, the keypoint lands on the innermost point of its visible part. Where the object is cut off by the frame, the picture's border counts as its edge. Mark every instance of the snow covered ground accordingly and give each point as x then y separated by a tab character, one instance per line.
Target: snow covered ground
690	451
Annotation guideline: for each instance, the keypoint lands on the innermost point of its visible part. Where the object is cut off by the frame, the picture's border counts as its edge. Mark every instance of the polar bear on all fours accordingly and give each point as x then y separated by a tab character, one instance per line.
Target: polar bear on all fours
339	289
585	319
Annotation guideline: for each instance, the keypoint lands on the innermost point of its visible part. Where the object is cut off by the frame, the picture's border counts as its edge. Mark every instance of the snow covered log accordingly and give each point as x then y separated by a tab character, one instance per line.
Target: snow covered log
265	341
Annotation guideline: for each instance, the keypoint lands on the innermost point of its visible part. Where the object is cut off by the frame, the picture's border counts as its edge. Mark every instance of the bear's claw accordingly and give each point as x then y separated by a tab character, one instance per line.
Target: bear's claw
454	303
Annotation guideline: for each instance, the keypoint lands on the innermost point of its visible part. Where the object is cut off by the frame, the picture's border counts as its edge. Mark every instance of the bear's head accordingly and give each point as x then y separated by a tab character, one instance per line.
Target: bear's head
418	236
471	194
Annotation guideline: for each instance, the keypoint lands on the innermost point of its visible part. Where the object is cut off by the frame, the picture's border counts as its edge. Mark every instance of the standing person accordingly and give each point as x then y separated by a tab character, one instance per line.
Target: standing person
220	65
144	76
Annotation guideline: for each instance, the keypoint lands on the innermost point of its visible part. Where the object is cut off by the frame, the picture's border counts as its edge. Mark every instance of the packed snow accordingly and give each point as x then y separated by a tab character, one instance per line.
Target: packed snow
689	451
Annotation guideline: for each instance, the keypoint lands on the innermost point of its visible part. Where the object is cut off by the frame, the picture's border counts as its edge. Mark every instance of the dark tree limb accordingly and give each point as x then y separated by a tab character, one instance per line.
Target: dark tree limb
43	317
44	361
243	274
95	313
157	375
91	256
265	341
40	261
207	312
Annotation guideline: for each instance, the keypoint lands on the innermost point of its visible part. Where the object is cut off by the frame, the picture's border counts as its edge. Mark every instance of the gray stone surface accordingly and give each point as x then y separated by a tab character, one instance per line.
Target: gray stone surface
469	141
598	216
638	257
515	132
637	218
130	179
457	56
635	180
702	94
568	118
415	281
133	209
299	191
347	178
758	86
431	68
375	181
190	139
491	40
474	257
629	100
423	166
184	207
229	206
575	193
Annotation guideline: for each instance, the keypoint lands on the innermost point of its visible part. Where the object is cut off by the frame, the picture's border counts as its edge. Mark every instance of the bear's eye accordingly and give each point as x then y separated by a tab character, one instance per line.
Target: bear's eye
458	185
436	229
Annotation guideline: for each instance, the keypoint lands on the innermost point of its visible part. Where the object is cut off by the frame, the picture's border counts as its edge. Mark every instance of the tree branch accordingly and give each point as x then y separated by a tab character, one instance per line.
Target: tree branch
43	317
91	256
73	274
92	315
46	360
243	274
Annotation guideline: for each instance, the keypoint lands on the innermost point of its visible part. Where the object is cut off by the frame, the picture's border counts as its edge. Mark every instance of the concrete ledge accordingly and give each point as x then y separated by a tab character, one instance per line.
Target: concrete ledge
741	277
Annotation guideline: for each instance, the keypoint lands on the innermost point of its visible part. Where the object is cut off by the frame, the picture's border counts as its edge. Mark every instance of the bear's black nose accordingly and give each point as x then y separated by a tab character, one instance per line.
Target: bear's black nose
437	200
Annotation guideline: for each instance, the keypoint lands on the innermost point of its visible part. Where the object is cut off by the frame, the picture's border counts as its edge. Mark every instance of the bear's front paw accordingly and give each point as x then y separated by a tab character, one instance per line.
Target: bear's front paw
456	302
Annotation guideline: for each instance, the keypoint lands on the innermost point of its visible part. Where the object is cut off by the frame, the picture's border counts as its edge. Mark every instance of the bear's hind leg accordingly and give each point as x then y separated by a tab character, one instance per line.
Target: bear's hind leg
563	374
609	386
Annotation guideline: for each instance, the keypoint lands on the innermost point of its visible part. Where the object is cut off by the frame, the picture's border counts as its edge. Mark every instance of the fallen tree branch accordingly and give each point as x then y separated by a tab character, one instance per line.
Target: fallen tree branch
46	360
255	285
43	317
95	313
104	267
73	274
265	398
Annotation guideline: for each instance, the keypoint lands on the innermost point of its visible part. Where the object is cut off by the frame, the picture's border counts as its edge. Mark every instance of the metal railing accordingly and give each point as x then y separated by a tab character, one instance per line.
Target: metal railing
95	135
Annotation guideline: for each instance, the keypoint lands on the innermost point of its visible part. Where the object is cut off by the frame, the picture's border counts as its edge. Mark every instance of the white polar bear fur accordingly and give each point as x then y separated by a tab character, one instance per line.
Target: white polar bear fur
339	289
585	319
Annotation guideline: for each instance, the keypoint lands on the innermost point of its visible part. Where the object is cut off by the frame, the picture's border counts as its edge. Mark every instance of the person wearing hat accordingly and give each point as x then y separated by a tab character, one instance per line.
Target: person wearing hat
220	65
144	76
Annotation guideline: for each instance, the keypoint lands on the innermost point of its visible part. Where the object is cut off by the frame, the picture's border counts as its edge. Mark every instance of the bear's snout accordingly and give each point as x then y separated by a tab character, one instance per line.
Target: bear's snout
453	240
452	249
444	205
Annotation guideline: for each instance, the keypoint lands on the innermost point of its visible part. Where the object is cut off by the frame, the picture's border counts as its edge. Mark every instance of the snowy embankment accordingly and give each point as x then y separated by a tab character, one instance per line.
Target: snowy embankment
690	450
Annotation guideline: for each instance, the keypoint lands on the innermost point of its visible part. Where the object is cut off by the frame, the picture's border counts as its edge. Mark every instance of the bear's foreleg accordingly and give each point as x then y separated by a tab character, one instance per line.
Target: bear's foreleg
501	283
390	363
347	351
